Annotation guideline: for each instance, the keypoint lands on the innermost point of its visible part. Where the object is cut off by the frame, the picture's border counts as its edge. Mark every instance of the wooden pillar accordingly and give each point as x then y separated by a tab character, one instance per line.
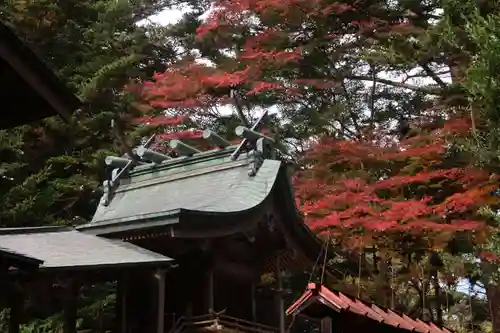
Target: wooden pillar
210	289
16	301
160	275
71	291
326	325
121	304
279	295
254	303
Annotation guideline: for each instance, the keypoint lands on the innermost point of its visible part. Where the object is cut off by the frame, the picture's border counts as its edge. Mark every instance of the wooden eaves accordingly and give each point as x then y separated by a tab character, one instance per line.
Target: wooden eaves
29	90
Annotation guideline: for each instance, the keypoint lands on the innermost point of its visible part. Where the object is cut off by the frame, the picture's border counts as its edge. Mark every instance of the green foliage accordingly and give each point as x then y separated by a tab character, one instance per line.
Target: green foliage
483	82
51	171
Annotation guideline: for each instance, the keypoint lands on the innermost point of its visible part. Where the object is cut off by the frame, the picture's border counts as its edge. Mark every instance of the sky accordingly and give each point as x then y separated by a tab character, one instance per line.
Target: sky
168	16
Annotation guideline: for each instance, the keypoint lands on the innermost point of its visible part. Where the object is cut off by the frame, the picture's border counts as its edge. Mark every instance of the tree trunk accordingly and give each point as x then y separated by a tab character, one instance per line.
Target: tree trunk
385	278
493	295
436	263
437	296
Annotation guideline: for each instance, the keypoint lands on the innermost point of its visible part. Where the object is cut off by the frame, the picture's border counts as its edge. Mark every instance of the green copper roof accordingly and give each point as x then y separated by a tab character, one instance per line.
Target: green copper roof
208	182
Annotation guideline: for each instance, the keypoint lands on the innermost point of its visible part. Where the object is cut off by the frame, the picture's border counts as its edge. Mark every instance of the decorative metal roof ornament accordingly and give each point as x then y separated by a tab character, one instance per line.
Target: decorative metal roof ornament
258	146
246	142
148	154
121	166
183	148
215	139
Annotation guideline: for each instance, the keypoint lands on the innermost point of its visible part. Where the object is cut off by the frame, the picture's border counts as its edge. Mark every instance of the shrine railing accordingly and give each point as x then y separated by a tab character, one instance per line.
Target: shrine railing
218	322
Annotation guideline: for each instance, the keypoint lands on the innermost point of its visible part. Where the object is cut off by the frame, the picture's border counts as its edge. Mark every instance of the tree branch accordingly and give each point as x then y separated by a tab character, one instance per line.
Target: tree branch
372	98
348	133
433	75
426	90
350	107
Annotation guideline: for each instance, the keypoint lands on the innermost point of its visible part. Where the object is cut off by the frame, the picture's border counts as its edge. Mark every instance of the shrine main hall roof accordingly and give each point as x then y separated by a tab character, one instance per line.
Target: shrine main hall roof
208	183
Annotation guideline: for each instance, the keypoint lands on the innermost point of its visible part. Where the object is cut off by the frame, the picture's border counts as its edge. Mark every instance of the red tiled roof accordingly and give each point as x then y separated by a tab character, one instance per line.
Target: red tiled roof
340	302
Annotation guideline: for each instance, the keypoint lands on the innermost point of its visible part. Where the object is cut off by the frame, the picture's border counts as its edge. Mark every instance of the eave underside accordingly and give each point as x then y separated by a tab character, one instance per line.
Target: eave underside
11	260
32	89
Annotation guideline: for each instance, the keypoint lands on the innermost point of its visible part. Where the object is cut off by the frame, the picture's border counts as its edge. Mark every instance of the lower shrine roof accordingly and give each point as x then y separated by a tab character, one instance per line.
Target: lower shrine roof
317	298
66	248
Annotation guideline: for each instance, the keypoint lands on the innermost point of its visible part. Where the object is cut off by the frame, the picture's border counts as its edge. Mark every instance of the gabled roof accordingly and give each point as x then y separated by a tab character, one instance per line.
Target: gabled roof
68	249
207	183
318	295
27	86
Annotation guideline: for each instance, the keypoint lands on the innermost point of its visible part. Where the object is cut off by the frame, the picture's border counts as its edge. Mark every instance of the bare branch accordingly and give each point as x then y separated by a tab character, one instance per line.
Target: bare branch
426	90
350	107
433	75
372	98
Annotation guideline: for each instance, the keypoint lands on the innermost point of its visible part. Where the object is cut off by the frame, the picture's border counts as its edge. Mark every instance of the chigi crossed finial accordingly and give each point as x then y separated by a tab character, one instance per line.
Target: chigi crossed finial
257	146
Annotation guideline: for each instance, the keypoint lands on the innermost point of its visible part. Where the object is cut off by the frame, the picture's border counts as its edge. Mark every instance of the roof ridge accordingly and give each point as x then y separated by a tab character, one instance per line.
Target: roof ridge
183	160
383	308
179	175
402	319
32	230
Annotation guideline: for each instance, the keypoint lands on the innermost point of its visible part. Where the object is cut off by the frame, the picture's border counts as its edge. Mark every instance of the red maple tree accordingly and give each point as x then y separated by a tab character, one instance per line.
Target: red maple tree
374	192
277	52
275	41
